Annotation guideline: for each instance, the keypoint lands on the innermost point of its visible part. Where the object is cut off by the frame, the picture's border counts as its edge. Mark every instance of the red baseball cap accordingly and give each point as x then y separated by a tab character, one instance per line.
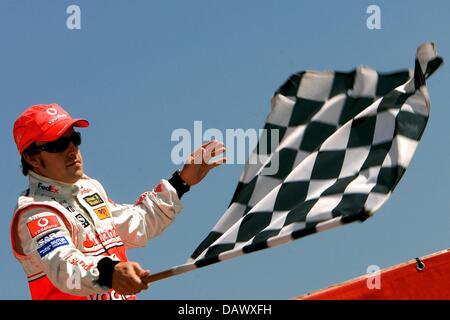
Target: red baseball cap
43	122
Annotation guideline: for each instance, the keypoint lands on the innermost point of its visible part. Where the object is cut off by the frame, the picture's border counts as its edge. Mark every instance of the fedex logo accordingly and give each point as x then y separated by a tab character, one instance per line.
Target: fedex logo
48	188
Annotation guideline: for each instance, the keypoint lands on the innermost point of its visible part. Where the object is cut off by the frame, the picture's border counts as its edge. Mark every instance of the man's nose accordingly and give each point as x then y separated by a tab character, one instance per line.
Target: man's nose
72	148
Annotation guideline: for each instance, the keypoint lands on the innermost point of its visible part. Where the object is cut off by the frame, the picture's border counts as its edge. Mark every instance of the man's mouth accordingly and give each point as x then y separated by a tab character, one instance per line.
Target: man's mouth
75	162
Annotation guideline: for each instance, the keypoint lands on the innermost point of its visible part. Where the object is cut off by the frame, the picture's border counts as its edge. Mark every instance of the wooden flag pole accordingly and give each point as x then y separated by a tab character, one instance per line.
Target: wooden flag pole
169	273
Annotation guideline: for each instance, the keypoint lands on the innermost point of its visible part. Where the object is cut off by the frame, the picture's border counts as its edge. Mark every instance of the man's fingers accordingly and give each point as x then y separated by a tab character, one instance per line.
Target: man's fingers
132	283
206	144
218	162
139	274
197	156
213	149
143	273
127	278
214	144
137	269
207	151
218	151
135	280
209	142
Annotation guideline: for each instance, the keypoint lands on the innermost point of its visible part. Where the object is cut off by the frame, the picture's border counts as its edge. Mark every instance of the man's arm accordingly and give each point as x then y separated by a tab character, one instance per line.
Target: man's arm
155	210
67	267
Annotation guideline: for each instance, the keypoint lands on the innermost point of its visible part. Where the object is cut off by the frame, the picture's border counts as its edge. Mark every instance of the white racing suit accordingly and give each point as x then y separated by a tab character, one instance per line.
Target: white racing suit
61	231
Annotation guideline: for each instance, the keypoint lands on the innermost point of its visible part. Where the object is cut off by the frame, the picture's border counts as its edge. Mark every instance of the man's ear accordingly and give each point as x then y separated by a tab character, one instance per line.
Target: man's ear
33	160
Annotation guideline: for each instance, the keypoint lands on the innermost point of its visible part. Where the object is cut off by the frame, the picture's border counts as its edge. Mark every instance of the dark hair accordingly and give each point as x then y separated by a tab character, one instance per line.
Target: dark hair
24	164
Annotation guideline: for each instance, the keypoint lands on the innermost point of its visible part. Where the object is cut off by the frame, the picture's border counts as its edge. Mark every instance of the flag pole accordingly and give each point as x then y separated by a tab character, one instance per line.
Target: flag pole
169	273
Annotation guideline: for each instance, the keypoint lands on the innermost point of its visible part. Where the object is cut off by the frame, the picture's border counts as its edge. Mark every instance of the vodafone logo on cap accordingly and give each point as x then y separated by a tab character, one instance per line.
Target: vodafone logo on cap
43	224
52	111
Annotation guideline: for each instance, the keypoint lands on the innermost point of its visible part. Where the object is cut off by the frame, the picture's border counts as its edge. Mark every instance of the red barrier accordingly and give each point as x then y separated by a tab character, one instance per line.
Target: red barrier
401	282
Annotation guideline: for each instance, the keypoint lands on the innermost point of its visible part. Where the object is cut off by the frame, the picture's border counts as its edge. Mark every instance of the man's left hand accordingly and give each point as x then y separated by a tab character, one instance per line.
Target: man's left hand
197	165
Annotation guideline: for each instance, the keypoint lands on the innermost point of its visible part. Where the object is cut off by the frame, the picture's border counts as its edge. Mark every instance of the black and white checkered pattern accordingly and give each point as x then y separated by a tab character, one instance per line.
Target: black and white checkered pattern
346	140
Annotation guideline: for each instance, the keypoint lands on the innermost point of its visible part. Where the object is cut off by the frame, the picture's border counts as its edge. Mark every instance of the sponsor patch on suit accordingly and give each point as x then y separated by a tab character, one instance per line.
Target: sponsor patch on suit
82	220
42	224
52	245
102	212
93	200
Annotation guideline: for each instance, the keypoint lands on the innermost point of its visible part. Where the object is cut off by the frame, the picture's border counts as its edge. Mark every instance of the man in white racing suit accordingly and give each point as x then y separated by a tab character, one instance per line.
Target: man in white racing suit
70	238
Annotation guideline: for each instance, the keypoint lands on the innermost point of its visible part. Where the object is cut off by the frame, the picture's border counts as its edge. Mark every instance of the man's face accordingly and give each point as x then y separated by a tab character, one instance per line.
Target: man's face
65	166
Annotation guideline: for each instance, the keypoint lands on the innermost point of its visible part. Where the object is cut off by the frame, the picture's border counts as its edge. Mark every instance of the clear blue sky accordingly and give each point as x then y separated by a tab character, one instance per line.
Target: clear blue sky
140	69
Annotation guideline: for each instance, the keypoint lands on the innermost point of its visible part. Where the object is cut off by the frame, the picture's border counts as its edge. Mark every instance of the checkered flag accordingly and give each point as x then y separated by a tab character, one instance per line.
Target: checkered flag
346	140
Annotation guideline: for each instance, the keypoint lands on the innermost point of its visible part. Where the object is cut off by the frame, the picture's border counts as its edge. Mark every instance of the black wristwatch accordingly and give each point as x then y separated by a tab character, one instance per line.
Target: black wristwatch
179	184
